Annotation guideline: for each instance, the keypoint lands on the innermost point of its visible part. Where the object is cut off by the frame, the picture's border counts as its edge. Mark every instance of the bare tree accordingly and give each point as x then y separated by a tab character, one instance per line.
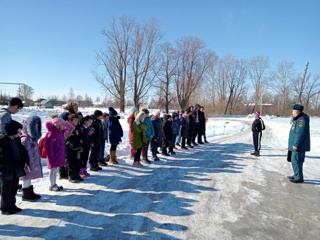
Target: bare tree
71	95
282	78
115	58
144	51
193	61
166	73
25	90
210	80
257	71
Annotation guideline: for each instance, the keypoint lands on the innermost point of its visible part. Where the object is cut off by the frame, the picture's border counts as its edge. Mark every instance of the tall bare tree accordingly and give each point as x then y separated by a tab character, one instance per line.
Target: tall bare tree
25	90
144	51
258	67
193	61
115	58
166	73
282	78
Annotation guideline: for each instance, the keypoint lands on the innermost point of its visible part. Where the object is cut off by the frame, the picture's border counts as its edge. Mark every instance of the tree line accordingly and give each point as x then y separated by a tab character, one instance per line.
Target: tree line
136	64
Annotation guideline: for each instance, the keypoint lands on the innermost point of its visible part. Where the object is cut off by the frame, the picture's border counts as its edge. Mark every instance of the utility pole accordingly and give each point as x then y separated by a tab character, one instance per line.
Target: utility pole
302	82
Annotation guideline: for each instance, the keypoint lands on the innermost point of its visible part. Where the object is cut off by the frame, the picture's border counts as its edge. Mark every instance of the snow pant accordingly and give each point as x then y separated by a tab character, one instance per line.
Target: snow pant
154	146
132	150
63	171
84	157
53	176
172	143
297	159
144	152
8	194
137	155
195	132
73	163
178	139
94	155
101	150
183	144
113	147
257	140
165	145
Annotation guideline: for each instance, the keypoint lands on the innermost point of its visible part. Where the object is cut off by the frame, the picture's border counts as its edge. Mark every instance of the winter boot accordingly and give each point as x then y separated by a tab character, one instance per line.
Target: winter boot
95	167
113	157
82	174
63	172
85	172
29	195
102	162
145	161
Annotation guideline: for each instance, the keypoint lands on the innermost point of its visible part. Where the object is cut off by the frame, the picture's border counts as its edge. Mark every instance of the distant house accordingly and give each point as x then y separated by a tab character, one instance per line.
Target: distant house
46	104
99	104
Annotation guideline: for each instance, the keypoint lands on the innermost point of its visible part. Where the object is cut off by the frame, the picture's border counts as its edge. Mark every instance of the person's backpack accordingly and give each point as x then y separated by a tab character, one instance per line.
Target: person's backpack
42	144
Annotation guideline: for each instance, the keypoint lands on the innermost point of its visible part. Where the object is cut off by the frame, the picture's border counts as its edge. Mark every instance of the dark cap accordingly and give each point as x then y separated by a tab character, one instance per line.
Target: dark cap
297	107
12	127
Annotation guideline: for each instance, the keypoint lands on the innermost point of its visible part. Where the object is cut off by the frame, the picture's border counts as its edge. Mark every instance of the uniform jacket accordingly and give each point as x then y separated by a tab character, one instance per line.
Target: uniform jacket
139	132
150	129
156	123
29	138
258	125
299	135
13	157
55	147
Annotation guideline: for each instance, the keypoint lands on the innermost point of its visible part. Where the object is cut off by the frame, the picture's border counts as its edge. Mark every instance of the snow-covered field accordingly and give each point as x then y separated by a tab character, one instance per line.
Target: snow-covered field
214	191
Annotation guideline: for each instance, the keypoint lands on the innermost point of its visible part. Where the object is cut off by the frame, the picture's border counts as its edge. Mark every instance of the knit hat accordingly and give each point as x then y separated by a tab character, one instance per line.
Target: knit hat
297	107
174	115
97	113
156	112
145	110
257	113
112	112
133	110
57	122
12	127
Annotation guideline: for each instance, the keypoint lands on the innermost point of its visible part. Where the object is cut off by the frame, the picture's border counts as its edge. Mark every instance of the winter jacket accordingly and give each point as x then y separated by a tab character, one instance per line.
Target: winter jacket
139	132
299	135
258	125
74	142
115	130
130	122
5	116
97	136
105	130
202	123
184	128
166	128
13	157
31	133
150	130
191	123
55	147
156	123
175	128
85	138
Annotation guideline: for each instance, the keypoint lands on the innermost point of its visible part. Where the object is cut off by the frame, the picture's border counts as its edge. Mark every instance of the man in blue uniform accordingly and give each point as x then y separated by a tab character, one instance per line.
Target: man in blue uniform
299	141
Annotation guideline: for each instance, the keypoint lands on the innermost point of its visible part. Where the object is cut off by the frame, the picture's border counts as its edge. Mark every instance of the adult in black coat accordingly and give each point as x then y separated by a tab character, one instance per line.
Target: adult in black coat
195	131
184	129
157	138
166	133
191	127
202	126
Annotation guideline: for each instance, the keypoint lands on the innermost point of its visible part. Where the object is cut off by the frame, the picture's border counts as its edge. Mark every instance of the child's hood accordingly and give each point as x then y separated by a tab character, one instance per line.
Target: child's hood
49	126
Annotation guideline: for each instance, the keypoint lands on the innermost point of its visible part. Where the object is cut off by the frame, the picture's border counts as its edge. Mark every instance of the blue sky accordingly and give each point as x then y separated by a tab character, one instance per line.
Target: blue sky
50	45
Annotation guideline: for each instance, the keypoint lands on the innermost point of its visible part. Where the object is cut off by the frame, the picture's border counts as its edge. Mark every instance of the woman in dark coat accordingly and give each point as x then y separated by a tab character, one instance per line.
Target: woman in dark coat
115	134
191	126
184	129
